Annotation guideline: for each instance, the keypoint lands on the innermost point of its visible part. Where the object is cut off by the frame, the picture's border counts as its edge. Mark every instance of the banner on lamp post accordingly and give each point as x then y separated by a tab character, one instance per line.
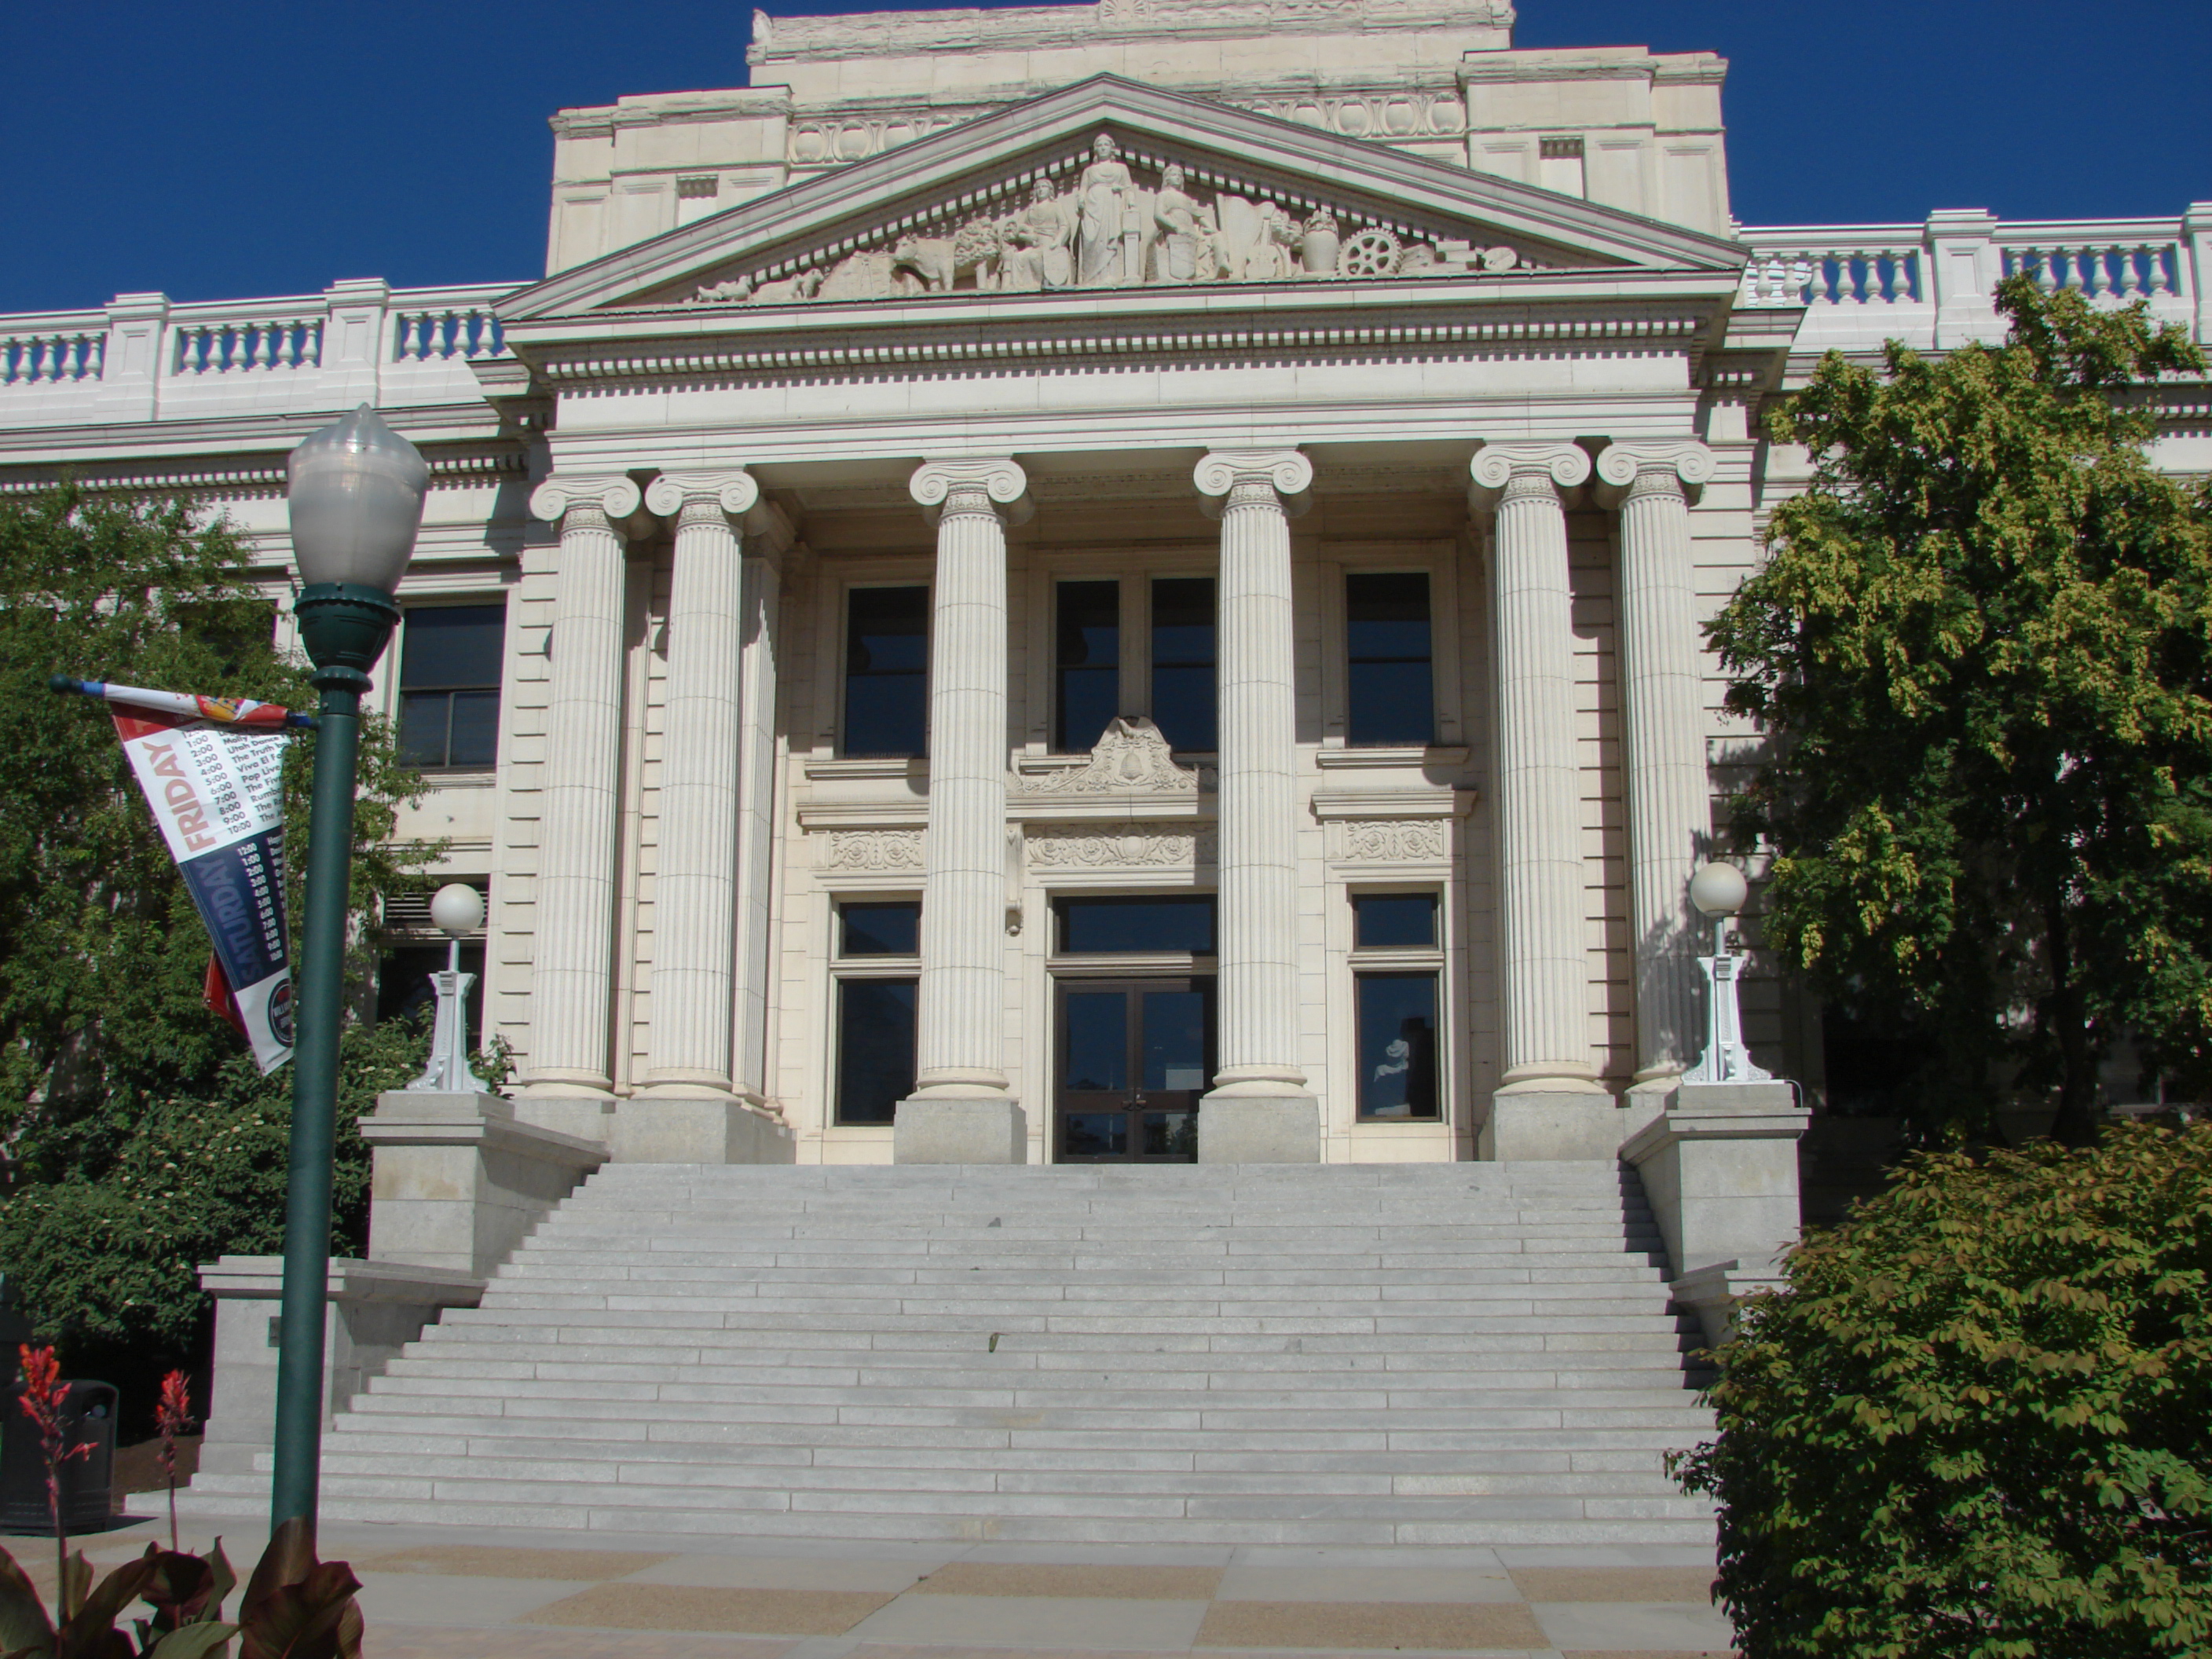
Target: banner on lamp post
212	770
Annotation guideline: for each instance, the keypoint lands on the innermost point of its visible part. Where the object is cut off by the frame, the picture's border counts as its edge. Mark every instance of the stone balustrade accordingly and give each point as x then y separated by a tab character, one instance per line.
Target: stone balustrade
1931	285
143	357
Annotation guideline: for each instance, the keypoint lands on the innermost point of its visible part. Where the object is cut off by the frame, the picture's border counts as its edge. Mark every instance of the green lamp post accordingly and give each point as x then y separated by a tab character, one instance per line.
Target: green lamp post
356	493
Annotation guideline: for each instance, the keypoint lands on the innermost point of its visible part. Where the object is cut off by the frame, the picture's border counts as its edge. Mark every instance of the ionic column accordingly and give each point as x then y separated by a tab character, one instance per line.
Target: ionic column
695	890
960	1111
1259	1109
1662	706
768	535
574	977
1546	1104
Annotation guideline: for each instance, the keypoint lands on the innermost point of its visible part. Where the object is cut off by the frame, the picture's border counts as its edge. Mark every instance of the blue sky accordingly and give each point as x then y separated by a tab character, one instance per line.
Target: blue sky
253	147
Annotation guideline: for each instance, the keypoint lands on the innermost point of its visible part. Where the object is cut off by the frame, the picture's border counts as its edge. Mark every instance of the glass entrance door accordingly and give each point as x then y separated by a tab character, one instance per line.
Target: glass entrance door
1134	1056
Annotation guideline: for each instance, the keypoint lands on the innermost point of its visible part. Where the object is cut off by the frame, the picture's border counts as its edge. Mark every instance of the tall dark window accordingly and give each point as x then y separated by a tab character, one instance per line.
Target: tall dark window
1397	1045
887	670
1184	698
449	662
1086	663
1390	690
875	1010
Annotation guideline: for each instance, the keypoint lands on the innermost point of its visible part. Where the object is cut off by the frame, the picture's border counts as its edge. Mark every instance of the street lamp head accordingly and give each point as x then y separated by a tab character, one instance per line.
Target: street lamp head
1718	890
456	908
355	492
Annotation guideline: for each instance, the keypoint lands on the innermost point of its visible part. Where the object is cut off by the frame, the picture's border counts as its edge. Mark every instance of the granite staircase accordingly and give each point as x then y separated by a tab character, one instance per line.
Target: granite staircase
1417	1354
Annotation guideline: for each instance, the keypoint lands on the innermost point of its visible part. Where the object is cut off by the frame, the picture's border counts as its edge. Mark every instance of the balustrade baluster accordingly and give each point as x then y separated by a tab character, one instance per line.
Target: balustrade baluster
73	357
99	357
263	345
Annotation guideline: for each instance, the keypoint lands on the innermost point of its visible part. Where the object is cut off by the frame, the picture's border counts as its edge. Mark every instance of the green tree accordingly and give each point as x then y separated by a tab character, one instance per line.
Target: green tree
139	1136
1980	647
1979	1420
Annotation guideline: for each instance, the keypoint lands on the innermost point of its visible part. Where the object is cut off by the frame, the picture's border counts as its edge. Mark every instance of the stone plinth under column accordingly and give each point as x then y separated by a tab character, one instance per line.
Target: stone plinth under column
669	1126
1551	1123
1258	1129
941	1129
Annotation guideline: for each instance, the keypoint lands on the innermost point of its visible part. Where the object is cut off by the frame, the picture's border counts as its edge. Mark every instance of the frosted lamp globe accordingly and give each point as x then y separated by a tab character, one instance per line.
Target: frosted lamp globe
456	908
356	493
1718	890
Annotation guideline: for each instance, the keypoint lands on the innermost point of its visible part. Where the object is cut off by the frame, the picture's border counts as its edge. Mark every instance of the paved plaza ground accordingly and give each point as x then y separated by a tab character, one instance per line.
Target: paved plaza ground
456	1593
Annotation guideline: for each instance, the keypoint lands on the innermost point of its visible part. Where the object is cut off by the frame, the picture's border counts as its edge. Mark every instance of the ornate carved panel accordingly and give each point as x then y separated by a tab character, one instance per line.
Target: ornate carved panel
1119	847
1130	758
1390	840
871	850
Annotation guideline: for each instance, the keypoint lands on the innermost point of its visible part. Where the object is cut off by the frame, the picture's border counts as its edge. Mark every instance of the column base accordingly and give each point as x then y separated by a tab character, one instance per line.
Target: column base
688	1124
959	1129
1547	1124
570	1108
1244	1128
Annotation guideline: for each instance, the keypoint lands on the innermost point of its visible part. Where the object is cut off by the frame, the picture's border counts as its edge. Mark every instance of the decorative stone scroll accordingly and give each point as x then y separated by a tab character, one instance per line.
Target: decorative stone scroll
1112	221
1130	758
871	851
1391	841
1119	847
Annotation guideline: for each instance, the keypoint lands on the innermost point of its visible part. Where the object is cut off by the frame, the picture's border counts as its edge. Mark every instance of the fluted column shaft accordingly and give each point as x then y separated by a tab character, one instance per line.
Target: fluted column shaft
573	982
694	891
1257	996
1669	809
759	607
1546	993
959	1041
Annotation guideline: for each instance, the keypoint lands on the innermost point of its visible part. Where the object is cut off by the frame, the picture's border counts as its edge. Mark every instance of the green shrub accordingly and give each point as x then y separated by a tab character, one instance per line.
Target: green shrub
1978	1422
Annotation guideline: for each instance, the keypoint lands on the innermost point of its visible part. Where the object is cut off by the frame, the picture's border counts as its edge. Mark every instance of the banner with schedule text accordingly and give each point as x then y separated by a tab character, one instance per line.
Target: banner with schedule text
212	770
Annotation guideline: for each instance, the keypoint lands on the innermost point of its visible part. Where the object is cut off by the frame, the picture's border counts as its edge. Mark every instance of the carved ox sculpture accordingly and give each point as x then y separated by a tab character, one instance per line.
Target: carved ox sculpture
939	261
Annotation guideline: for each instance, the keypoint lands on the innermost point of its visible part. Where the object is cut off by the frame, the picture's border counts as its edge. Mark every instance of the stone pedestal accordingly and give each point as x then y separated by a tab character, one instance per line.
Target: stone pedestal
672	1126
1551	1123
953	1130
459	1181
1258	1129
375	1309
1720	1167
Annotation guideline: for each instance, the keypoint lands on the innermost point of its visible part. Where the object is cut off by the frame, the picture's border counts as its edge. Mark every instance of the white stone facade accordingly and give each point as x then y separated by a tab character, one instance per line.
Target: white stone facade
991	303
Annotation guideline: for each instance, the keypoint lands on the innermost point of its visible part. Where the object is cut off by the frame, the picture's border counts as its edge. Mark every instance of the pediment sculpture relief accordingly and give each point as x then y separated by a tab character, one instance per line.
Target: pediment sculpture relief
1130	758
1105	227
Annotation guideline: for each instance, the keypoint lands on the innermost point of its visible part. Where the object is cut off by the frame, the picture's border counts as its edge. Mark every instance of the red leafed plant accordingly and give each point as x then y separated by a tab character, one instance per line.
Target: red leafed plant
44	1394
173	1416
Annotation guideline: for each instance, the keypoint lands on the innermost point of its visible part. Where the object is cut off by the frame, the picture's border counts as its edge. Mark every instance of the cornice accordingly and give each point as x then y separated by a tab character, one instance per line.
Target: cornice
1410	318
260	473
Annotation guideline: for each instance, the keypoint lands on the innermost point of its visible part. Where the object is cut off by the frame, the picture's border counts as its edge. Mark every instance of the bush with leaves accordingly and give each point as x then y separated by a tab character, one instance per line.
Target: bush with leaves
136	1137
1978	1419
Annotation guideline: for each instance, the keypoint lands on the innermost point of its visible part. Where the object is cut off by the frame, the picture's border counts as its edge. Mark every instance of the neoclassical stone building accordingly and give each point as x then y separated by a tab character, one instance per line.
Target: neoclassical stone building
1113	581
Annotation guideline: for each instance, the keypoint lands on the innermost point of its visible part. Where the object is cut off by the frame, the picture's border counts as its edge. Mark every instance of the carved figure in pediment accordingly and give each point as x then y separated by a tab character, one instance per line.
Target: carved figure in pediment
734	290
1110	230
1318	241
1181	229
938	262
800	285
1036	246
1373	252
863	275
1499	258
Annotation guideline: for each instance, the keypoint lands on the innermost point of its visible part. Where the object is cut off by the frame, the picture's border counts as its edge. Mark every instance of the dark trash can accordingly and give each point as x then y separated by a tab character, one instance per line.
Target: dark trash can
87	1502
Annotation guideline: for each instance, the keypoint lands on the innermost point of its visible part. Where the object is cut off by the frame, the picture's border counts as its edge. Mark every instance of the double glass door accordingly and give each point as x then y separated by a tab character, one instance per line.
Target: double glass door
1134	1055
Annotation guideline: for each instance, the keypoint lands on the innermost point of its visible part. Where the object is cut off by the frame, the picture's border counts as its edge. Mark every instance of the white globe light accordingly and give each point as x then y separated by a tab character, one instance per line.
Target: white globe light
456	908
1718	890
355	494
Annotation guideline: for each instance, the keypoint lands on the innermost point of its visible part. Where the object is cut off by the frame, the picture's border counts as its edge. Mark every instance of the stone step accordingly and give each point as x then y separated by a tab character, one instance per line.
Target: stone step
496	1342
1321	1371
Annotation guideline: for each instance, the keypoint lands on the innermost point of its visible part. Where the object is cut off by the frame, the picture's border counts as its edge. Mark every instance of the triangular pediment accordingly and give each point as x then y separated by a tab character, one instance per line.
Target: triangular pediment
1110	185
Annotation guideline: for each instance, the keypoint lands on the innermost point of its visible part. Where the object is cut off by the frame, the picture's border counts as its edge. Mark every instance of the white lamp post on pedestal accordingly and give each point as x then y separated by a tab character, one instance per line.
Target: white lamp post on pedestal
1719	890
457	909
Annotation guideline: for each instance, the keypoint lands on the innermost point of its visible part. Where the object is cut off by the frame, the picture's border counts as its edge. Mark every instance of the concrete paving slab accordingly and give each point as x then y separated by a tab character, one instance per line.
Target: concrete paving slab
1633	1626
1053	1624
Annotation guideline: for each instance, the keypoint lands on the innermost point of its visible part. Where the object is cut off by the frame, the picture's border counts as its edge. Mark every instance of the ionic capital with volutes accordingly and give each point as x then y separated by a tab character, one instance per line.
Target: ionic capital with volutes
1681	468
990	485
567	500
1267	477
1501	472
732	492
